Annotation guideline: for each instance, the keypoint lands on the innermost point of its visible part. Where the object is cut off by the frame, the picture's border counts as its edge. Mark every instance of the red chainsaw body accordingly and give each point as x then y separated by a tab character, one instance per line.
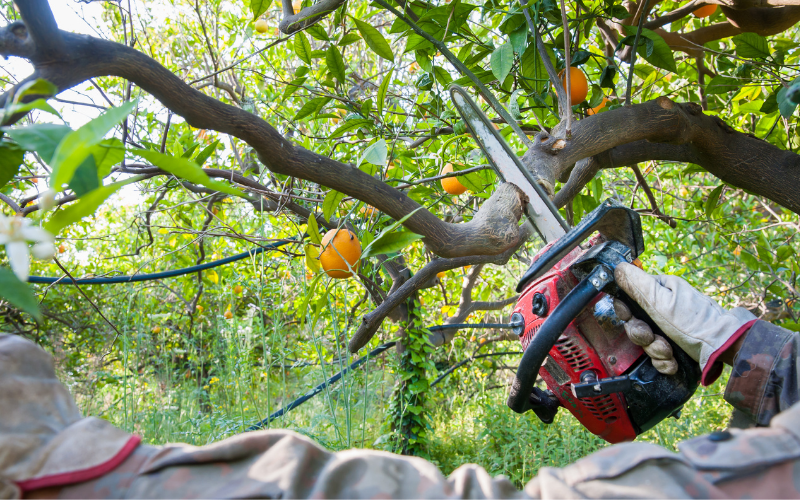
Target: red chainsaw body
595	340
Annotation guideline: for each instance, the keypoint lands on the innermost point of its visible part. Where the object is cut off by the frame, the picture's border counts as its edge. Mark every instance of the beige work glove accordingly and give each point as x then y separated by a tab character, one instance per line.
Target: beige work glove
691	319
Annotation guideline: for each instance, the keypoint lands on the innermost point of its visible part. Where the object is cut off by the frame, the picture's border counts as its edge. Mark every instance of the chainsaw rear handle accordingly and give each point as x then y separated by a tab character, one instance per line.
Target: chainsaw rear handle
547	335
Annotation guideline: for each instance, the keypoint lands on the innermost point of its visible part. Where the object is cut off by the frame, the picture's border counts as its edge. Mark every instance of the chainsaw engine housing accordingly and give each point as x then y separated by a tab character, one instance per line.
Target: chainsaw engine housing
594	352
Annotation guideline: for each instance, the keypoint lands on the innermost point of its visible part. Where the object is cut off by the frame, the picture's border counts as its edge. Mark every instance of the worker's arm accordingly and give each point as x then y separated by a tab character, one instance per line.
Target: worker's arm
764	380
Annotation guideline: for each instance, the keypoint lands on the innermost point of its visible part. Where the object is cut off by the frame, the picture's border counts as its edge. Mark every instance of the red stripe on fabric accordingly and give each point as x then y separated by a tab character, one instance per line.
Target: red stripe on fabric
80	476
713	368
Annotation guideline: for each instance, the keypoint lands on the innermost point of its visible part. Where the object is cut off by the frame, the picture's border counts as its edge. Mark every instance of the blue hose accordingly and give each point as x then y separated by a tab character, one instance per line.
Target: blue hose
64	280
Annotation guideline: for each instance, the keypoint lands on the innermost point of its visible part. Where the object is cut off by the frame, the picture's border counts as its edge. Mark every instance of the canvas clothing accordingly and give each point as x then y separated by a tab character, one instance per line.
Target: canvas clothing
763	462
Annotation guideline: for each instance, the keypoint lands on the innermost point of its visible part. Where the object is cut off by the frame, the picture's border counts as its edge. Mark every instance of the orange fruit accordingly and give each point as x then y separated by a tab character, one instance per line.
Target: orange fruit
237	289
156	329
262	26
596	109
341	251
62	248
199	309
296	6
705	11
451	184
579	86
413	67
34	180
368	210
228	314
441	275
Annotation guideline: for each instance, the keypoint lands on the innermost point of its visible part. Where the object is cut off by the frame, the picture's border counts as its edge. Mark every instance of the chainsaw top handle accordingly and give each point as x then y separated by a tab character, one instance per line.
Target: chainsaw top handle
614	221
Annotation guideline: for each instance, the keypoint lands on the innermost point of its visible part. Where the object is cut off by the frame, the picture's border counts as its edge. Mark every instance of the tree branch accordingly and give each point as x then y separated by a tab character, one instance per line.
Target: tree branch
87	57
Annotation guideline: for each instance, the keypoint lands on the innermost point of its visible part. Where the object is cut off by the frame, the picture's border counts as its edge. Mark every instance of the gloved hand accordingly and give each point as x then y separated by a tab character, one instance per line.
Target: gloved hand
691	319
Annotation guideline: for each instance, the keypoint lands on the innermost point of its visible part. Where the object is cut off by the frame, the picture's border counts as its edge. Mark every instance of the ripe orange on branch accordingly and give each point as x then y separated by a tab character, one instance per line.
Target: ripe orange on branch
451	184
341	251
578	85
705	10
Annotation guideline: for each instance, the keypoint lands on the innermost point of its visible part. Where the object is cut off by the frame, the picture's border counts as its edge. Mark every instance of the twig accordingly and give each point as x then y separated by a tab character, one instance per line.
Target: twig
443	176
568	116
653	204
633	53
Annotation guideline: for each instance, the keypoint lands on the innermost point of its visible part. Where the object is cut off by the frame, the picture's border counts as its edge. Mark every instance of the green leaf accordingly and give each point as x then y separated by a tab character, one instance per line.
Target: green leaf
40	86
661	56
348	39
312	258
311	107
258	7
374	40
713	198
40	104
76	145
391	243
18	294
313	229
771	103
382	92
42	138
86	205
786	105
11	157
349	125
519	38
335	63
318	32
607	76
302	47
206	153
502	60
751	45
368	249
784	252
85	178
579	57
107	154
293	86
721	85
185	169
375	154
331	203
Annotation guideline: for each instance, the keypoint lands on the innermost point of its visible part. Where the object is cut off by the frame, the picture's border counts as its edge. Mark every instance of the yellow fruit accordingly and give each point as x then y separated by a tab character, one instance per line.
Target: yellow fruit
451	184
596	109
261	26
683	191
296	6
341	251
369	210
578	85
237	289
156	329
199	309
441	275
705	11
472	339
413	67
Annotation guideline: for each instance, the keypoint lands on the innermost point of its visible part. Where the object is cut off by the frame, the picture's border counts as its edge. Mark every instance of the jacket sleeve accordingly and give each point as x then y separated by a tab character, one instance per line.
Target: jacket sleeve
764	380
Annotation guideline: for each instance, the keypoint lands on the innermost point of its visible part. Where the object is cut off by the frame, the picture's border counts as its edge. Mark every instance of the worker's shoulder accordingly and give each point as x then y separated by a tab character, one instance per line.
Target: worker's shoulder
736	450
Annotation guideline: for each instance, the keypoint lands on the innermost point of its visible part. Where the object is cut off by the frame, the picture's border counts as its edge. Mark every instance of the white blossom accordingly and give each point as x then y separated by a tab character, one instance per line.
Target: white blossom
15	233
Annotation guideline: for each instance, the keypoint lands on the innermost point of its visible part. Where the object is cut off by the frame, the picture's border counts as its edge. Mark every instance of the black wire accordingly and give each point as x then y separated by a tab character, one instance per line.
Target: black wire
316	390
157	276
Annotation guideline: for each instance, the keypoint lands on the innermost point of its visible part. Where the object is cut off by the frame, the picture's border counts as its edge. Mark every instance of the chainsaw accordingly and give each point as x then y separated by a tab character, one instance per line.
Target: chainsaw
566	319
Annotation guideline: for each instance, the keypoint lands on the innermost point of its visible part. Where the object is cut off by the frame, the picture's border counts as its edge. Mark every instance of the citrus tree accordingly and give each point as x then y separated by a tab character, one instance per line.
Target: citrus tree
332	120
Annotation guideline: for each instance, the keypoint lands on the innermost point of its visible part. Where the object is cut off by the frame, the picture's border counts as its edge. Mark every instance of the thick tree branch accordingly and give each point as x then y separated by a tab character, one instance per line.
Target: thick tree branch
666	130
88	57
